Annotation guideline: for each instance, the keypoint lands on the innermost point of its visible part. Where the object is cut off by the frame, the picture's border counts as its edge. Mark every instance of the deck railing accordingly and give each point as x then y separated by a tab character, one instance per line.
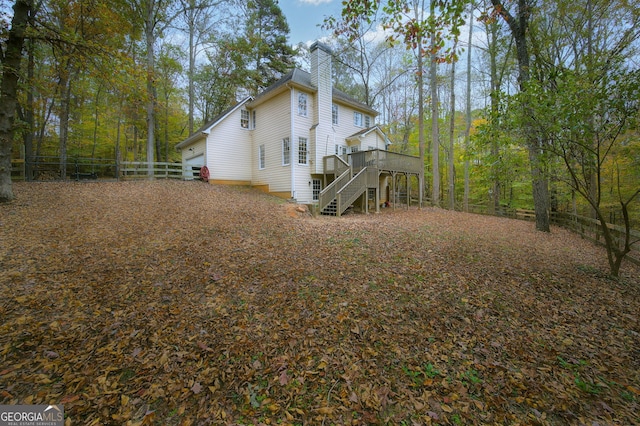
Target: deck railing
385	160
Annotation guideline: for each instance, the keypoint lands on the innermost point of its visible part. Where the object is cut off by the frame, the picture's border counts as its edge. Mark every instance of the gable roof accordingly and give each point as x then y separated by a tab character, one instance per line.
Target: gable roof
302	79
364	132
206	129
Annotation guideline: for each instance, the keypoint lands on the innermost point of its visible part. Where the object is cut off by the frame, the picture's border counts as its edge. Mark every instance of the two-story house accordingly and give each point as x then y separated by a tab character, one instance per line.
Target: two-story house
295	140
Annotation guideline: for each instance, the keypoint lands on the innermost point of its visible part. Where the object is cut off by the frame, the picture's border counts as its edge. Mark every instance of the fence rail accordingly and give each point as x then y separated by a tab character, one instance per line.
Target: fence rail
586	227
78	168
140	170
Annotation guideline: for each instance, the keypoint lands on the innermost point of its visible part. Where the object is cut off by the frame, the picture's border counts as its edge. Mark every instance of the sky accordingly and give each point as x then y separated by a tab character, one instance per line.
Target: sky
305	17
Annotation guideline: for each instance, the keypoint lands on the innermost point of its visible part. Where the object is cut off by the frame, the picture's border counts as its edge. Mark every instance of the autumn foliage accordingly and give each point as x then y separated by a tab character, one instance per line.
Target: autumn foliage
187	303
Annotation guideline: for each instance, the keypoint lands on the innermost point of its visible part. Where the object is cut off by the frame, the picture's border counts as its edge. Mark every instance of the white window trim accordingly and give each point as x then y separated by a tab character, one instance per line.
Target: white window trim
262	157
306	151
335	118
316	188
303	96
286	161
245	119
358	123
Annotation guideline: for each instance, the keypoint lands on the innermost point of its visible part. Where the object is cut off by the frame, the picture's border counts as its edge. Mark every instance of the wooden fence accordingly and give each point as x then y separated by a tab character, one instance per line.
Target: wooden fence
140	170
49	168
586	227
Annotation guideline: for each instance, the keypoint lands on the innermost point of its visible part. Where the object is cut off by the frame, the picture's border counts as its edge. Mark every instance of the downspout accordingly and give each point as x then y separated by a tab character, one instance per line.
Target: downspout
293	145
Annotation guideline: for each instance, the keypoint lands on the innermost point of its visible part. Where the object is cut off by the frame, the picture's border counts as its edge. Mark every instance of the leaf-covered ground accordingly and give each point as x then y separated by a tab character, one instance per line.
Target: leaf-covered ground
185	303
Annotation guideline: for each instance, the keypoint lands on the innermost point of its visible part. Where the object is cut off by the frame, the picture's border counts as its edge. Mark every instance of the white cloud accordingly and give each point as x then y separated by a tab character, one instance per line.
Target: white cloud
315	2
378	35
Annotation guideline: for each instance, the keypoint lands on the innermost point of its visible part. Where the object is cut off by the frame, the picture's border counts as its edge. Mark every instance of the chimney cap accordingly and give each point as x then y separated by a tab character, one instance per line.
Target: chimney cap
321	46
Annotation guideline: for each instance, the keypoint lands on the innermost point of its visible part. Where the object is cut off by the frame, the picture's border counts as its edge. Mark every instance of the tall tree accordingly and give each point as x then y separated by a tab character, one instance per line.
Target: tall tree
518	24
585	95
467	132
452	122
407	22
269	55
155	16
11	57
200	17
435	111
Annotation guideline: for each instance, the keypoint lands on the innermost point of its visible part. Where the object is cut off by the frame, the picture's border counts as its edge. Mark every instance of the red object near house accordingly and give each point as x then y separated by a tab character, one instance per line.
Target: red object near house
204	174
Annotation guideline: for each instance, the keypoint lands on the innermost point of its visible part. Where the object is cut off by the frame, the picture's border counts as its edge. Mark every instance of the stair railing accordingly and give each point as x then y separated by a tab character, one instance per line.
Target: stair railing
328	194
334	164
351	191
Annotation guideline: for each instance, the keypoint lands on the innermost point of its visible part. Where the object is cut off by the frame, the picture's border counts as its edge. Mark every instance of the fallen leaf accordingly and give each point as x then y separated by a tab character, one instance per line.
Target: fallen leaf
196	388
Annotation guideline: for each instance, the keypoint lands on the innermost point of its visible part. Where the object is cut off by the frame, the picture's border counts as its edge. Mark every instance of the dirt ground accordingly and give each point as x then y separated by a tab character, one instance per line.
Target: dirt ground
187	303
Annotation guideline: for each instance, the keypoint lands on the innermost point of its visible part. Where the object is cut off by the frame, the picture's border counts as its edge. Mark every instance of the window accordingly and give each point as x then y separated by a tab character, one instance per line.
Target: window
286	152
253	124
261	157
370	148
302	104
355	148
302	150
334	114
357	119
316	185
367	121
244	119
341	149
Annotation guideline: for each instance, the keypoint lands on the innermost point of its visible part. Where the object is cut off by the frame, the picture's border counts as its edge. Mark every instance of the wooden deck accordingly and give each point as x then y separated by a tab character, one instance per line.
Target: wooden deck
352	175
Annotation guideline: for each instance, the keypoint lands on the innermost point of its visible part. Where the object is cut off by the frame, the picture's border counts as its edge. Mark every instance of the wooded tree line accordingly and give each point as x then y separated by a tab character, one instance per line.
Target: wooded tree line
560	87
534	105
130	78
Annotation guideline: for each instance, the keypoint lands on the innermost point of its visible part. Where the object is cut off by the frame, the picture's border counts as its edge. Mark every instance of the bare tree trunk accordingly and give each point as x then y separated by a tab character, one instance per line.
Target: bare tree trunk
29	115
452	169
192	65
435	131
8	92
151	88
518	27
65	105
96	122
467	132
494	206
419	10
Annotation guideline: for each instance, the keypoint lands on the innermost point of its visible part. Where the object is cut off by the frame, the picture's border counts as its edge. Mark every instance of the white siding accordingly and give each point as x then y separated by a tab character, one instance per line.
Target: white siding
273	124
194	150
346	128
372	141
229	150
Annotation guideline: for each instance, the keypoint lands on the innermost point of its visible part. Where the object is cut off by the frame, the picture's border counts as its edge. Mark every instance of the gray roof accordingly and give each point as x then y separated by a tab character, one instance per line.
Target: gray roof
296	76
303	79
365	132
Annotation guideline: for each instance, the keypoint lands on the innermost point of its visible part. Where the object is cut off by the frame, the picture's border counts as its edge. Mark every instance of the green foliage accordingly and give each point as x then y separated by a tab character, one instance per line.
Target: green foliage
266	47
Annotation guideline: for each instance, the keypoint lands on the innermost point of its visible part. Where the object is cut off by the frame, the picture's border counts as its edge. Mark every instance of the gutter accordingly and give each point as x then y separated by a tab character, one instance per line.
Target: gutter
293	144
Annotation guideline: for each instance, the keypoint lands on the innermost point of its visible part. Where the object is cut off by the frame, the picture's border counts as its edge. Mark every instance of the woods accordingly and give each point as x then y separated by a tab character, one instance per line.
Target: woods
132	80
536	55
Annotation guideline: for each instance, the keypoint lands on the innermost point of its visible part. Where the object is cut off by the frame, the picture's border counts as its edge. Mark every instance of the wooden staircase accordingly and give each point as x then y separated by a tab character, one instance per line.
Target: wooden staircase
342	192
331	209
